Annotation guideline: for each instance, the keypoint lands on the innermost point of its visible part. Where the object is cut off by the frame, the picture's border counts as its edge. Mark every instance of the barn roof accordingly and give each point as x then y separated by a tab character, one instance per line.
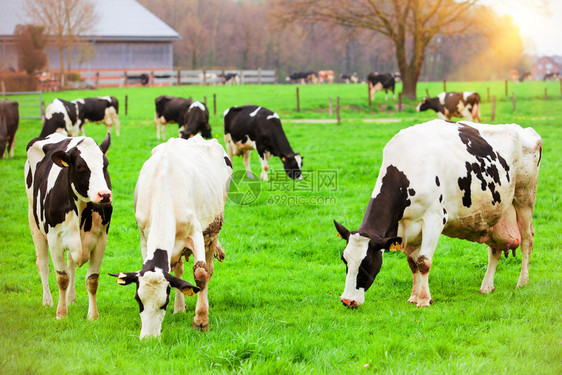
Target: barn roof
119	20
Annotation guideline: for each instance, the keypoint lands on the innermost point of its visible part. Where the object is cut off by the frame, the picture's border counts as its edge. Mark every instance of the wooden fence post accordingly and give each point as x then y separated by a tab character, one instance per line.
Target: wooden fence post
513	100
126	105
97	80
488	91
330	110
259	76
400	101
445	85
493	115
151	79
126	80
204	77
178	81
298	101
369	95
506	94
338	110
214	104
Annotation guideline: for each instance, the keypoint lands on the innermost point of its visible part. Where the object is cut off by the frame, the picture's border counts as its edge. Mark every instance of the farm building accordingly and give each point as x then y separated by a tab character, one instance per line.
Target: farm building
545	65
126	36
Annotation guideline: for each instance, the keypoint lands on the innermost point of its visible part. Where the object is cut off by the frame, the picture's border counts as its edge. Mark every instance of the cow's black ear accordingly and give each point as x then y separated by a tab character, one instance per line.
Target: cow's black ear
392	243
61	159
125	278
104	145
342	231
186	288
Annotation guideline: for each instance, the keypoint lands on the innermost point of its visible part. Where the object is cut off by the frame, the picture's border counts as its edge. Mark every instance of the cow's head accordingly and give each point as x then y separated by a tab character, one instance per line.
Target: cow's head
424	105
196	121
87	169
153	294
293	166
363	260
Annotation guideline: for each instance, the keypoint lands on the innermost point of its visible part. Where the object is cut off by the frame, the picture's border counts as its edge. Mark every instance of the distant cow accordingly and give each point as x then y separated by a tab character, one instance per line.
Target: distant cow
454	104
326	76
381	81
9	121
179	208
302	77
250	128
61	117
69	196
525	76
350	78
464	180
191	117
551	76
229	78
102	109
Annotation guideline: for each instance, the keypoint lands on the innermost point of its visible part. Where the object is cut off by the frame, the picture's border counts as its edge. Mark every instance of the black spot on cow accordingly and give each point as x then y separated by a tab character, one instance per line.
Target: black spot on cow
159	260
29	179
168	290
385	210
437	181
444	211
411	192
444	221
441	198
485	167
228	161
104	210
540	157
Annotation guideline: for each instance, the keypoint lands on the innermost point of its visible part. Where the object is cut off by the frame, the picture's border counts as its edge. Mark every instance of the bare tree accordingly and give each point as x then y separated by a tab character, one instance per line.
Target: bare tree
64	21
409	24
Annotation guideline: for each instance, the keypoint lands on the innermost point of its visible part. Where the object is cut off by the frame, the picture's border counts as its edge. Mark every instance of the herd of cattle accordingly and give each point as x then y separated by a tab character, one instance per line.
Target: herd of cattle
461	179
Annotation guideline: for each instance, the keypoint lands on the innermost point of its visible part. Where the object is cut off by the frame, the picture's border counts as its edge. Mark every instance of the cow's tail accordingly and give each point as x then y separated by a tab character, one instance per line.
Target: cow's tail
115	103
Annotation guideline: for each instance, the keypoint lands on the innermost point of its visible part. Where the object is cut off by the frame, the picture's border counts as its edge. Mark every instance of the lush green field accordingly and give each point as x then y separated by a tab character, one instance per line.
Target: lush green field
274	302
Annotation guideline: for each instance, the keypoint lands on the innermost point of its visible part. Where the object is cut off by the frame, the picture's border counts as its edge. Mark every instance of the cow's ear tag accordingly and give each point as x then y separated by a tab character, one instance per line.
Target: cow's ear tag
283	158
188	292
395	246
339	235
64	163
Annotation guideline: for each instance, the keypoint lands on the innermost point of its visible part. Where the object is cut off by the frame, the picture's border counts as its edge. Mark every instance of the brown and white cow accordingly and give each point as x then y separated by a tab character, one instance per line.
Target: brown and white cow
464	180
326	76
9	121
179	208
69	195
454	104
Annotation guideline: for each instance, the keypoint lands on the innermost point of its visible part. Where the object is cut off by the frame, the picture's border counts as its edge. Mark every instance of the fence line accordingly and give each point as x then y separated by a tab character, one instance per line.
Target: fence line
30	106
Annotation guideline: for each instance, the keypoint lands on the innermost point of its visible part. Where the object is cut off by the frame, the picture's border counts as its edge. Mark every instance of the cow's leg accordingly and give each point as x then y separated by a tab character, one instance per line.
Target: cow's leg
42	260
201	319
11	145
246	159
264	159
219	252
467	114
386	95
431	231
57	255
157	125
442	116
476	112
179	302
201	276
416	281
488	282
525	223
71	291
93	274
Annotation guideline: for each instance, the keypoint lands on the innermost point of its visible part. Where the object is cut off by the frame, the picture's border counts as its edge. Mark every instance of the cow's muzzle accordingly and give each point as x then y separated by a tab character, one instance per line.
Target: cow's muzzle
104	196
351	304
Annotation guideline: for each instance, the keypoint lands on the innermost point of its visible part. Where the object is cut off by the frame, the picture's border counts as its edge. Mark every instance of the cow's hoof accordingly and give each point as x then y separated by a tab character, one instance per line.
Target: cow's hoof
424	303
47	301
219	254
413	300
487	290
59	317
522	283
93	317
200	327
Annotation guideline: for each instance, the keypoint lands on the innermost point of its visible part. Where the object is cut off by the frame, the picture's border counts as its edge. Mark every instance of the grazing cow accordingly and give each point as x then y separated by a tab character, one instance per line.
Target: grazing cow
302	77
549	76
350	78
326	76
103	109
179	208
381	81
169	109
229	78
525	76
69	195
61	116
195	120
250	128
9	120
470	181
453	104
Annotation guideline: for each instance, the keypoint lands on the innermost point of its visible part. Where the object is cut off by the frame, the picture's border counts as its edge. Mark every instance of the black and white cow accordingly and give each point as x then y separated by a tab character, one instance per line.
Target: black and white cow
195	120
102	109
229	78
69	196
470	181
61	117
454	104
250	128
9	121
381	81
302	77
179	208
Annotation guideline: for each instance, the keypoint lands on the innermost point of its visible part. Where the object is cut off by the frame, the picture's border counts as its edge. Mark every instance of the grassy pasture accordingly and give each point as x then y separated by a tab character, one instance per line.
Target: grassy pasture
274	302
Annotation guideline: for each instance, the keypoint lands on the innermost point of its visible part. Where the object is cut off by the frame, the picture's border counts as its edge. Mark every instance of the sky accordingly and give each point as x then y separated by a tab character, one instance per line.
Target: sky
541	30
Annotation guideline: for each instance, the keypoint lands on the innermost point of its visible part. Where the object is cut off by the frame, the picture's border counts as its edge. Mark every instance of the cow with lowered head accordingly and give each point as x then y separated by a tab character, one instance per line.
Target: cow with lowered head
179	208
9	120
250	128
454	104
61	116
464	180
191	116
69	196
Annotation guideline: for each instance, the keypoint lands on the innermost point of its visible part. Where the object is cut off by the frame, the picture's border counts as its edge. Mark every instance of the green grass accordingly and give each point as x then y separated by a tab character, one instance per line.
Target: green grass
274	302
